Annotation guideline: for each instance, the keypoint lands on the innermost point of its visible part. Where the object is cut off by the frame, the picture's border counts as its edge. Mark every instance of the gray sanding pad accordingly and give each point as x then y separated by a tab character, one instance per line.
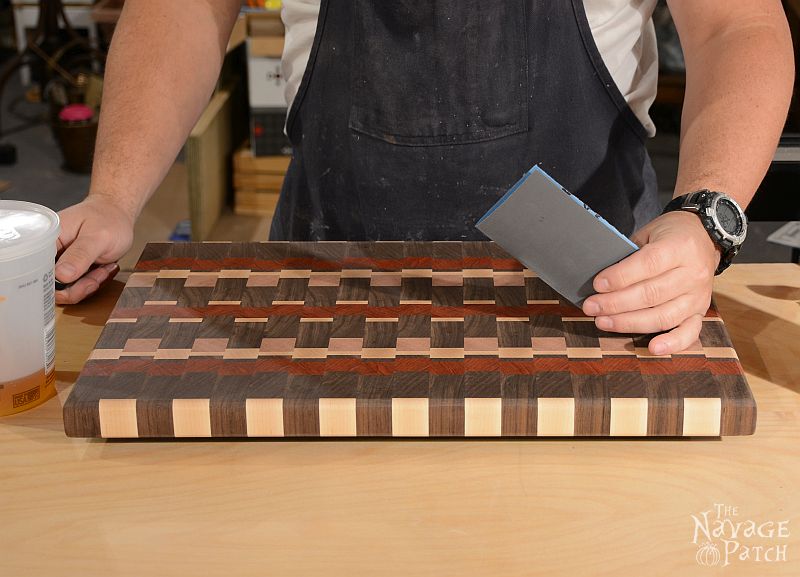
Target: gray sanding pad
555	234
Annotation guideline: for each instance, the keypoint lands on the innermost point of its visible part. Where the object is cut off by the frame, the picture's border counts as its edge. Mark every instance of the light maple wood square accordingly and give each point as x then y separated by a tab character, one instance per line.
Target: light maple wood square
446	278
191	417
234	273
277	346
345	346
118	418
196	280
320	279
209	345
720	353
337	417
141	345
515	353
263	280
481	345
555	417
142	280
509	279
378	353
264	417
483	417
617	345
174	273
584	353
414	345
309	353
241	354
447	353
386	279
628	417
549	345
701	417
410	417
105	354
172	354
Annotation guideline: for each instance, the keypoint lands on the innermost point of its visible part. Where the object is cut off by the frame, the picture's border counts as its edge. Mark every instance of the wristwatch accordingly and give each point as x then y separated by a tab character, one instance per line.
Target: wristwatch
722	217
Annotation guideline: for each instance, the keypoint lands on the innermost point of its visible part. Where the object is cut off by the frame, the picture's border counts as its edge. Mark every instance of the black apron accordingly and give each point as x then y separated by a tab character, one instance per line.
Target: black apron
414	116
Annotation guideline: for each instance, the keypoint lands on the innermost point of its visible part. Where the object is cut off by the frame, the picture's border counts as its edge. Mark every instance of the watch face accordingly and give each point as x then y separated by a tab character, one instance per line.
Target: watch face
729	217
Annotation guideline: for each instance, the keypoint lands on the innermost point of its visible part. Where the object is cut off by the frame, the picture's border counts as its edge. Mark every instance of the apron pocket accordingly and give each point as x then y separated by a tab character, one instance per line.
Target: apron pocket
432	72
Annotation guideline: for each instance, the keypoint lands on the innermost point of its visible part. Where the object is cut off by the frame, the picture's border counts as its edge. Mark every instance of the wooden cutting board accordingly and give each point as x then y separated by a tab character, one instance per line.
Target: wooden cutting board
403	339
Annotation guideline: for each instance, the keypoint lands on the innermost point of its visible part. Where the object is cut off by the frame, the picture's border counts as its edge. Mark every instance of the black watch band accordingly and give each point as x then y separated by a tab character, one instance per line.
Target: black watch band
678	202
697	202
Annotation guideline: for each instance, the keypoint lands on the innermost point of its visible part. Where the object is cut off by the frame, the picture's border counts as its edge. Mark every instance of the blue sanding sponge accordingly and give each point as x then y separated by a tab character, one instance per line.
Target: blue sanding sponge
555	234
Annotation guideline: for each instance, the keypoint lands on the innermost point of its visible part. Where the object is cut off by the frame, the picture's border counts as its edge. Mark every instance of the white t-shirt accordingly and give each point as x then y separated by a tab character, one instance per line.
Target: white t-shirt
622	29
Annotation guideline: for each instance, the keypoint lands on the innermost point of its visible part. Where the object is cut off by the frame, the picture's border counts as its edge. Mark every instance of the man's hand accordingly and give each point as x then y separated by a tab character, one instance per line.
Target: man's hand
162	67
665	286
739	77
94	232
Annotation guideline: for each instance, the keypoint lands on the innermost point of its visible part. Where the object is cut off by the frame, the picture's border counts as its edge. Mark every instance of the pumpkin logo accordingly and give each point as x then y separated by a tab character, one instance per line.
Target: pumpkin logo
708	554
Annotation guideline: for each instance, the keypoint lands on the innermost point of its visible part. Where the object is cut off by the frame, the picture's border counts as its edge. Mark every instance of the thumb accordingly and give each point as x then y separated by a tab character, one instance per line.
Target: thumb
641	237
76	259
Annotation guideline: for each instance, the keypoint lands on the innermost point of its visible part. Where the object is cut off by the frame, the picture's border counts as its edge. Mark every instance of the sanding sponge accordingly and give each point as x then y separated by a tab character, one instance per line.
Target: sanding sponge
555	234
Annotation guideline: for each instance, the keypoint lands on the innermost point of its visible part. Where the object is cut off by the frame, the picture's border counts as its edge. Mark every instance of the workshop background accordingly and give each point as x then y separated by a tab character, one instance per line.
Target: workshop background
226	181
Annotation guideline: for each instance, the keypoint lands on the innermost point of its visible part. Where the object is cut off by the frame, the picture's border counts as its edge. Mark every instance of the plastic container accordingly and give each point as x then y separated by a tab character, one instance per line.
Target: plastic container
75	130
28	234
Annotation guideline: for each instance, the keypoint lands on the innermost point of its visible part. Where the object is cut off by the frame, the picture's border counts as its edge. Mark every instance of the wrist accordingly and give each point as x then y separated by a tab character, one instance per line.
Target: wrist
130	210
721	217
697	229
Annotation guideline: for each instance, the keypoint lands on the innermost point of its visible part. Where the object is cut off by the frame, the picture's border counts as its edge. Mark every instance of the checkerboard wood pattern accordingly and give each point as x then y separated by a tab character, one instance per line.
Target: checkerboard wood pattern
404	339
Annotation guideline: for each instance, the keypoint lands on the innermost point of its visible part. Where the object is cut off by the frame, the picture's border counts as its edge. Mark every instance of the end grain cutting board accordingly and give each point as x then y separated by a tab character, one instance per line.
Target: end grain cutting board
383	339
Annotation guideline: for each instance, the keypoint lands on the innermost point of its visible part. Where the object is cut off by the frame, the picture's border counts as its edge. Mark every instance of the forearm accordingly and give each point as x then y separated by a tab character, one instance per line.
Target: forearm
739	84
162	67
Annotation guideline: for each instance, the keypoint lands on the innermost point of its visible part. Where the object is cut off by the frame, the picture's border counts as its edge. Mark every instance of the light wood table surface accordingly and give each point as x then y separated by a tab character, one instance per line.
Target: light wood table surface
382	508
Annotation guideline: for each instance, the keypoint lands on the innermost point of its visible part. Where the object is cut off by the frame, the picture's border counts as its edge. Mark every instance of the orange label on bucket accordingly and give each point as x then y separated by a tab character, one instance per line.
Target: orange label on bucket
22	394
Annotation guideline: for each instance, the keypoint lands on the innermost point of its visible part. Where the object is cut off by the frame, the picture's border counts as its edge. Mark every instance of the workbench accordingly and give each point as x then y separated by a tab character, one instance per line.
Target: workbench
413	507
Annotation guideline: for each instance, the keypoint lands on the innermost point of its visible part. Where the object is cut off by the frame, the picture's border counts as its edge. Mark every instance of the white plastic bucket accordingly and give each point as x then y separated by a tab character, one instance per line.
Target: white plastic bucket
28	234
